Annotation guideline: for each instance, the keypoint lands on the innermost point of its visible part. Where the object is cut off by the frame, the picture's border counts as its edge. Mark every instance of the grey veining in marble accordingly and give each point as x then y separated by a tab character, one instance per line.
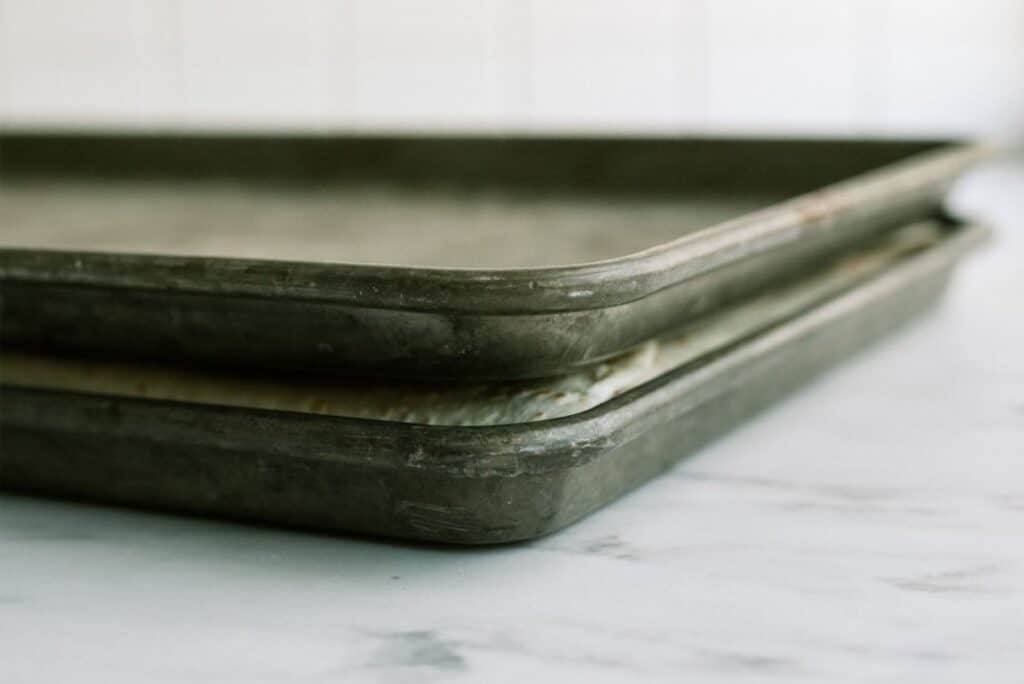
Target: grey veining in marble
870	528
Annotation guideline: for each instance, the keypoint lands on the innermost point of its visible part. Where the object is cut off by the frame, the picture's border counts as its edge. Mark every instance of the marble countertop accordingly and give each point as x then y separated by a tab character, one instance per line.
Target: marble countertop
869	528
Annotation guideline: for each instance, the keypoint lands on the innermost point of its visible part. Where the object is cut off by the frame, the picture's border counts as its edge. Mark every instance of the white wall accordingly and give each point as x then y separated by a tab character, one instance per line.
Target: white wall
810	66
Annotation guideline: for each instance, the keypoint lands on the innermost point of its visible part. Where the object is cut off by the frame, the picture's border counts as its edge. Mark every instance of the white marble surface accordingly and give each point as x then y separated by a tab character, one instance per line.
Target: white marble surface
870	528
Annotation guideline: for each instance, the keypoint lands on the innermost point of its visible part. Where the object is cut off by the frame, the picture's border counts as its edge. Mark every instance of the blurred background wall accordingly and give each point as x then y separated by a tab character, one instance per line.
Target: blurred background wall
837	67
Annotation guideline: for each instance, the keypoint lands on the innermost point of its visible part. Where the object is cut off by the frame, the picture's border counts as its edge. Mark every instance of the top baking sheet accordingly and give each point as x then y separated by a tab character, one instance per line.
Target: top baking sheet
451	258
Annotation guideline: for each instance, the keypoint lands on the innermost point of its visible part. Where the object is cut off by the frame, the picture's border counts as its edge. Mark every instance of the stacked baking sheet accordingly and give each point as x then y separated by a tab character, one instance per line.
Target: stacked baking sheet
463	340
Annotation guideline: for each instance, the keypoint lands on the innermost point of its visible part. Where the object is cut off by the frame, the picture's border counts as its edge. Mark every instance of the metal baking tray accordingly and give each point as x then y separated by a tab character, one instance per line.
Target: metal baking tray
188	441
505	257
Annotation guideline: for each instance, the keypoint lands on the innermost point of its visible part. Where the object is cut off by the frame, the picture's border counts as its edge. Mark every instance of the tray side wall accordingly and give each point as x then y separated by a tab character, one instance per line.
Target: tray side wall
619	164
324	337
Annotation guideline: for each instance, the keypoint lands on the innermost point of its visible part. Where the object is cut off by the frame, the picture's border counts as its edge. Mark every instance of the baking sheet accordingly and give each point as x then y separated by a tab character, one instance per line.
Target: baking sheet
435	259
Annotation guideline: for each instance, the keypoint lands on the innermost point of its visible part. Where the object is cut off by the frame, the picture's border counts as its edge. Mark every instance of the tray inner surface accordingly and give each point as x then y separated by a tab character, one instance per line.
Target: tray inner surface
483	403
374	224
473	203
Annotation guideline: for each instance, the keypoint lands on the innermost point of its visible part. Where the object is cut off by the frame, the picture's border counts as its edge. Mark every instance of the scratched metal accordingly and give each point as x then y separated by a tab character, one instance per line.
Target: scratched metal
474	323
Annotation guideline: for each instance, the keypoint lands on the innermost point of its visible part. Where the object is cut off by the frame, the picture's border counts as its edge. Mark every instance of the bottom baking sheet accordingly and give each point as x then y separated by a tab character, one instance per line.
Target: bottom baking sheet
83	430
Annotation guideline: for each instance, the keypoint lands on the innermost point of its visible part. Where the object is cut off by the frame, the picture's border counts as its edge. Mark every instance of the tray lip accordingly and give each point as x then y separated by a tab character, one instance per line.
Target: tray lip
511	450
556	289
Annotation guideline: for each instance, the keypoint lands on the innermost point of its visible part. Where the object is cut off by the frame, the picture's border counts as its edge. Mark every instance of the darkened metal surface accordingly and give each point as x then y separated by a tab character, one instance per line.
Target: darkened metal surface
447	323
463	485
